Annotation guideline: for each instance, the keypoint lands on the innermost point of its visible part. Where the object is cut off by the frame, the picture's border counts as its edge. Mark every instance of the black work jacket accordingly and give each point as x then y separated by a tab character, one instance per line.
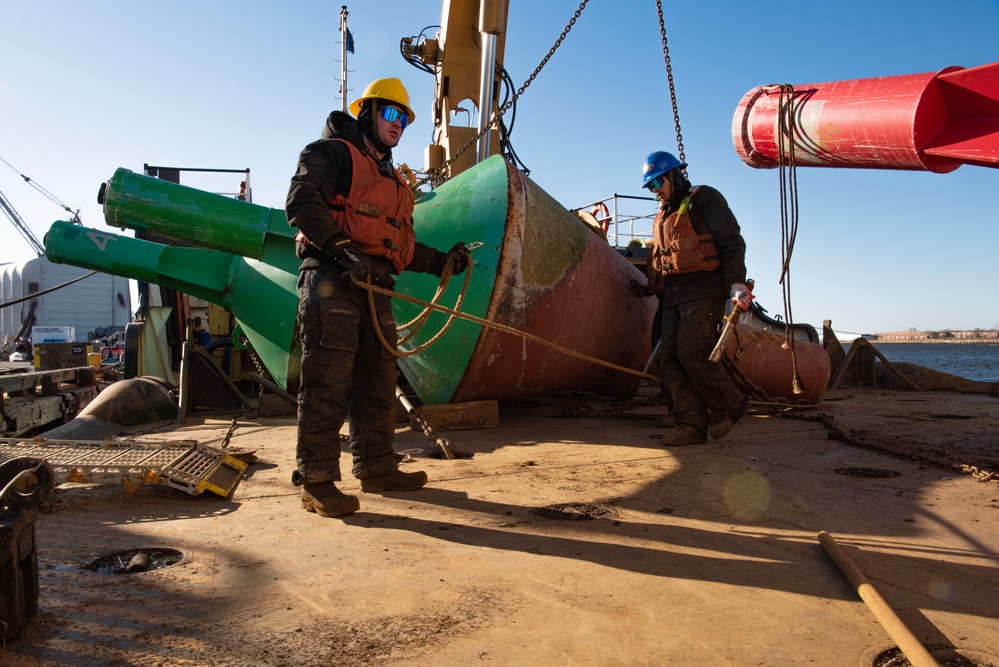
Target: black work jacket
325	169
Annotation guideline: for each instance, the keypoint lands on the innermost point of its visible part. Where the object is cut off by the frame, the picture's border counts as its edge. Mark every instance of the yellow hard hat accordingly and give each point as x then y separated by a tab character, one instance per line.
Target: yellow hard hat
390	89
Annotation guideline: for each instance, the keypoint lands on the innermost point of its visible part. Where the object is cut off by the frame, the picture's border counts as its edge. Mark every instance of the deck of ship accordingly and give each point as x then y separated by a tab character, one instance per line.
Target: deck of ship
572	537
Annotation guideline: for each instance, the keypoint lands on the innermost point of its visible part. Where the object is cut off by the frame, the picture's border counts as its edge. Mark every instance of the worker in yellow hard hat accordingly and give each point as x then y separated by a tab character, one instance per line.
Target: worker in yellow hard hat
382	97
354	215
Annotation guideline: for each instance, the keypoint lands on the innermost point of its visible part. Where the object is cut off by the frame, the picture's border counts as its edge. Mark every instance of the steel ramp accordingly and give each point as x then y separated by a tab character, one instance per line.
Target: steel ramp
183	465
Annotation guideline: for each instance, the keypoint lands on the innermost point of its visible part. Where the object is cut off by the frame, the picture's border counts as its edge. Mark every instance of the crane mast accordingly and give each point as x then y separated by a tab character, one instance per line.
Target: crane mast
21	226
467	57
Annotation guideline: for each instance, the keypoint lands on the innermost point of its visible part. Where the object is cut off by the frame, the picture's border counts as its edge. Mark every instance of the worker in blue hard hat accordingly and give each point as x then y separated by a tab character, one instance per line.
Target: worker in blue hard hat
697	263
354	215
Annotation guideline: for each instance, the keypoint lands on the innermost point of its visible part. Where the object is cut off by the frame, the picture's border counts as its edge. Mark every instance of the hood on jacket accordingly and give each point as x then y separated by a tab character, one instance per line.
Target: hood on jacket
341	125
681	188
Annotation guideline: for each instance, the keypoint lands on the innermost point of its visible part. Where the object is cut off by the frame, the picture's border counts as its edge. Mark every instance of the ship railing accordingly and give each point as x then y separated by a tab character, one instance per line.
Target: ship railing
626	219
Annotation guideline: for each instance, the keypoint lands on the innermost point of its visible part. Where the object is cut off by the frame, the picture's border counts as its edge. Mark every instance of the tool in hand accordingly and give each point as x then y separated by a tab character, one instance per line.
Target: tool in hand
730	321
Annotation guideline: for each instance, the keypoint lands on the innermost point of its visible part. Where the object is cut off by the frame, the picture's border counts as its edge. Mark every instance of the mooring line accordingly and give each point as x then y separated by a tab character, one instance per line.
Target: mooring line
493	325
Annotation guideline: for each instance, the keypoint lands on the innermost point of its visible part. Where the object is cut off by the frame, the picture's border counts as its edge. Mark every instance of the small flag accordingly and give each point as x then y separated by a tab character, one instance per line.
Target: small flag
350	41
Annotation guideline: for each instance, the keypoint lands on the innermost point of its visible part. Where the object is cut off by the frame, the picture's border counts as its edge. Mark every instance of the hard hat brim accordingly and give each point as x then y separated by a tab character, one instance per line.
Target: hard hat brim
648	178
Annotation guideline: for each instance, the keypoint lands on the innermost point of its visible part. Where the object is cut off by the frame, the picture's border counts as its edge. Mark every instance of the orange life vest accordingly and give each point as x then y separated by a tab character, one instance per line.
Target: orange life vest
677	248
378	214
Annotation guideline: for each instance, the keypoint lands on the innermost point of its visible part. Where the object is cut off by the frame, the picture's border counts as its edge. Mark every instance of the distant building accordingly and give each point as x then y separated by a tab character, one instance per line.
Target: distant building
948	335
977	334
905	335
101	302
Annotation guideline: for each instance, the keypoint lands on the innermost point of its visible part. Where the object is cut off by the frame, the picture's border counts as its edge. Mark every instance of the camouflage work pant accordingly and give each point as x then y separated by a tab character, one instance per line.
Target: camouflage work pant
701	390
346	374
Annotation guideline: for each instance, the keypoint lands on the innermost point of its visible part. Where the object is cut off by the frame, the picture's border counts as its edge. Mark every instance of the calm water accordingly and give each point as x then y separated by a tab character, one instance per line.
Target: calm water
974	362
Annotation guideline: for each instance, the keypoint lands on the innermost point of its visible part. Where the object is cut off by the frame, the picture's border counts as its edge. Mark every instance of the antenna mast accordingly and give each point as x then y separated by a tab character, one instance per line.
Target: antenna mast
346	44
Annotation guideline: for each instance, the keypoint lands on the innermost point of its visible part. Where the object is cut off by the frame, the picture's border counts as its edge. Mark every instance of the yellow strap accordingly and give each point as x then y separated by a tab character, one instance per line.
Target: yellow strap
683	206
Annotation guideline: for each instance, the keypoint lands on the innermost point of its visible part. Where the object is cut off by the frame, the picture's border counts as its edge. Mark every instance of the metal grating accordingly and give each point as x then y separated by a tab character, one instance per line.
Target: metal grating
204	469
183	465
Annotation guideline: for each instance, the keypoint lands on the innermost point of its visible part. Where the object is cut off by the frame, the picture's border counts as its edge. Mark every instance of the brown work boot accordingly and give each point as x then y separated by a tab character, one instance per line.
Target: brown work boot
721	428
667	422
740	411
724	426
679	437
325	499
396	480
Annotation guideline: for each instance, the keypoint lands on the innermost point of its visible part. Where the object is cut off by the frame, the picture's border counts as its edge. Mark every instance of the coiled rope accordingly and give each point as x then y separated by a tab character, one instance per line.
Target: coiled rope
454	313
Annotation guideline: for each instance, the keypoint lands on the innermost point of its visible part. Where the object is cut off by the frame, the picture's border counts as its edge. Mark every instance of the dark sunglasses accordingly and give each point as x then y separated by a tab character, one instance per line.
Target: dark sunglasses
654	184
392	114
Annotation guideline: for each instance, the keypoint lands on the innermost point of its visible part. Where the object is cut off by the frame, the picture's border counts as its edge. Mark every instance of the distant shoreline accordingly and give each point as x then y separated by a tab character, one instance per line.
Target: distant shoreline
946	341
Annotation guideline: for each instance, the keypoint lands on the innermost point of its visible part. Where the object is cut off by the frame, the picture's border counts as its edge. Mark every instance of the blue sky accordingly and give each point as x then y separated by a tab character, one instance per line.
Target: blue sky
86	88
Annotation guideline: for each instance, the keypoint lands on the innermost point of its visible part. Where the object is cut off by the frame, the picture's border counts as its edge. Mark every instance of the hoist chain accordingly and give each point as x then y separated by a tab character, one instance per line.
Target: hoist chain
263	373
258	362
672	88
436	176
747	386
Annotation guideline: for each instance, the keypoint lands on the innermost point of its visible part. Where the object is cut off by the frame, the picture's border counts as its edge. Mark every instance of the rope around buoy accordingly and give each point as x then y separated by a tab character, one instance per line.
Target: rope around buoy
453	313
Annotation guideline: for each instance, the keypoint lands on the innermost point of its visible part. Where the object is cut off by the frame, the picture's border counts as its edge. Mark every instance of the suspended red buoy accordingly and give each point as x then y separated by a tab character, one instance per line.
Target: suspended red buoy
934	121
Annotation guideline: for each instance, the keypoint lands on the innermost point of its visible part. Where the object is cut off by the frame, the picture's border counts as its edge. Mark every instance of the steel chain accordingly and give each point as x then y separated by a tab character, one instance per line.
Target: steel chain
672	88
261	369
747	386
262	372
436	176
437	441
978	473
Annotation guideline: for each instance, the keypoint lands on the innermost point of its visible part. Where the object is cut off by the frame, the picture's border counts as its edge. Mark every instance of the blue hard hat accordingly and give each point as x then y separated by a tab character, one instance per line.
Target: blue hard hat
657	164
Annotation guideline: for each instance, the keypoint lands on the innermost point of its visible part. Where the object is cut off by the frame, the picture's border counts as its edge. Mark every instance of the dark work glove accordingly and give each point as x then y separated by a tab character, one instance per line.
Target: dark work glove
637	288
346	253
354	261
457	255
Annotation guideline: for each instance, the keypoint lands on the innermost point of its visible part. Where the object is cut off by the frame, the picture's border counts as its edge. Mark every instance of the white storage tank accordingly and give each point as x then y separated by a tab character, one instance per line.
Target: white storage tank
98	302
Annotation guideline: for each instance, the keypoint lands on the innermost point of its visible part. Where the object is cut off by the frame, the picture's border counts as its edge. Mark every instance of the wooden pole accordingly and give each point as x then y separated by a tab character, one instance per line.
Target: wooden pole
914	651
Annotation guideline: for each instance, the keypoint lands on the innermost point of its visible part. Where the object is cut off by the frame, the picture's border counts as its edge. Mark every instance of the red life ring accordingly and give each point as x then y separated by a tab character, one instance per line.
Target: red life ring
602	214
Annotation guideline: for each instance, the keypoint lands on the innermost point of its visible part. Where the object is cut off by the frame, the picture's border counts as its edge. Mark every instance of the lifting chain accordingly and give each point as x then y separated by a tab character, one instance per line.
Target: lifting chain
263	373
261	369
437	176
747	386
672	89
750	388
